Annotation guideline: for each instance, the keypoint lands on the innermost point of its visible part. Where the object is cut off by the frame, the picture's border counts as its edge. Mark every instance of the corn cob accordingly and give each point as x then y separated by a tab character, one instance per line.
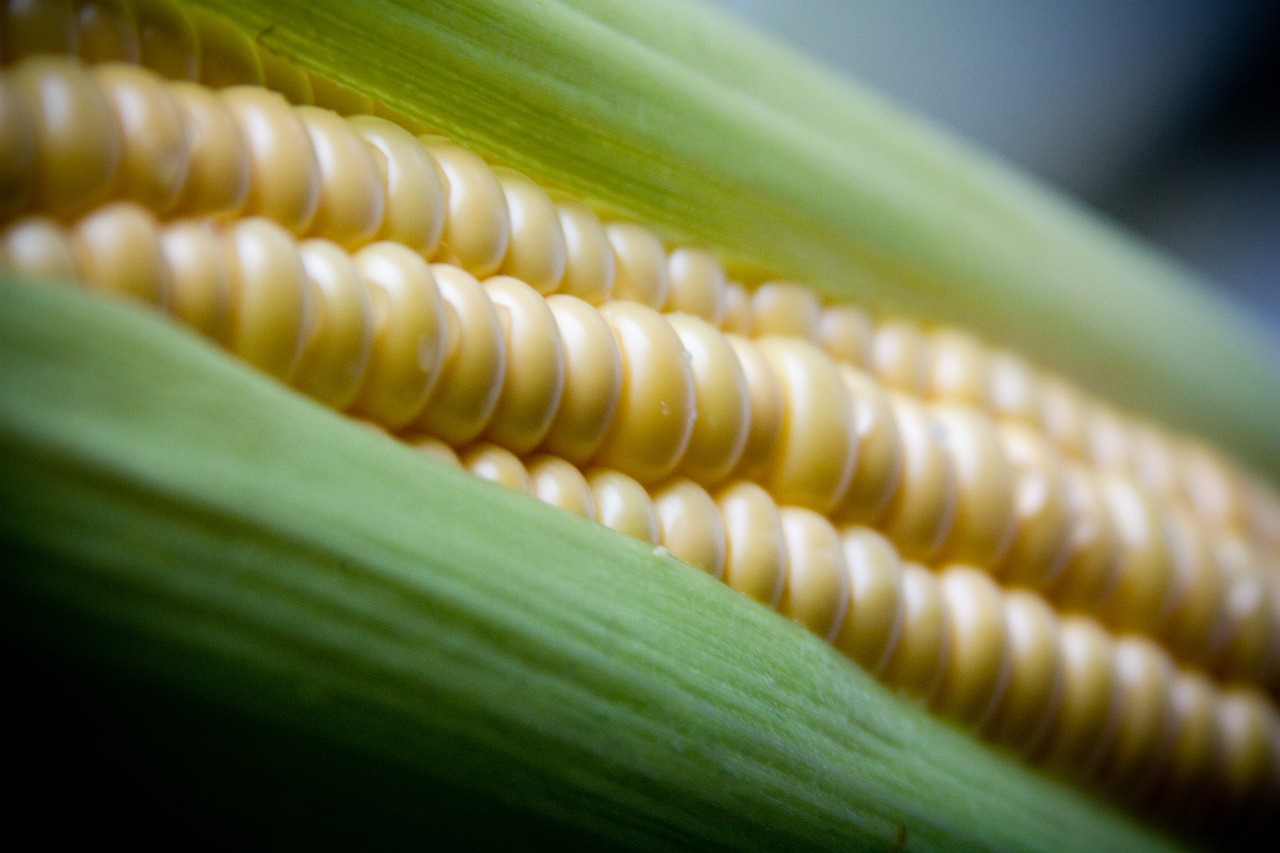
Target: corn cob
364	331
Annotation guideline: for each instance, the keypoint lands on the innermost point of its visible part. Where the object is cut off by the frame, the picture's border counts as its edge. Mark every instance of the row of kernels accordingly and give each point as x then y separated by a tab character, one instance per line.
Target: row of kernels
82	135
951	366
1003	499
619	383
407	344
1056	689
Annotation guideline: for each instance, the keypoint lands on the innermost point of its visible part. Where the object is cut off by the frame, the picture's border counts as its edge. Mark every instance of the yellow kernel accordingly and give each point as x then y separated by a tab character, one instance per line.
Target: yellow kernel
1198	595
921	512
1247	723
155	155
1030	702
227	56
536	252
845	333
1152	460
166	39
269	295
689	525
106	31
560	483
497	465
535	376
471	379
117	250
1144	681
1249	632
900	357
817	589
593	379
281	75
640	265
589	263
350	206
755	554
737	310
920	655
1087	717
978	667
1107	440
697	285
958	369
1091	571
284	177
817	447
655	411
477	228
764	405
1042	542
874	622
411	333
623	505
783	308
985	523
200	294
33	28
218	171
333	363
17	150
38	247
879	466
1211	486
1195	751
75	132
721	401
413	187
1140	598
1014	390
1064	415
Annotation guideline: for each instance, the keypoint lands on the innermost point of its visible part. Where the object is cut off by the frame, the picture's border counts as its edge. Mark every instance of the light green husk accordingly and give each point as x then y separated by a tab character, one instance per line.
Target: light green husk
173	520
671	113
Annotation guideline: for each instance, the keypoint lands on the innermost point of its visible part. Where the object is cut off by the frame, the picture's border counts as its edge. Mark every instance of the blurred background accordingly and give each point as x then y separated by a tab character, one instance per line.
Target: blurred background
1161	114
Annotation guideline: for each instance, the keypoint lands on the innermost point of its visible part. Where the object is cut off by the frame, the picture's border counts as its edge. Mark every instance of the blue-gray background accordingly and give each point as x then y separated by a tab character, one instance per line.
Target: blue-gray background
1163	114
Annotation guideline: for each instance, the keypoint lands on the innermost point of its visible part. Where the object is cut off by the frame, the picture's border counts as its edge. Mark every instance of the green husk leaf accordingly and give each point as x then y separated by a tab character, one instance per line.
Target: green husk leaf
671	113
297	602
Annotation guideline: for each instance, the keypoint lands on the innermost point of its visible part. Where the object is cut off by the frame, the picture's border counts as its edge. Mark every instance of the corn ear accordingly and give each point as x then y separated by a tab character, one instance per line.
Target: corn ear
274	569
672	114
173	518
